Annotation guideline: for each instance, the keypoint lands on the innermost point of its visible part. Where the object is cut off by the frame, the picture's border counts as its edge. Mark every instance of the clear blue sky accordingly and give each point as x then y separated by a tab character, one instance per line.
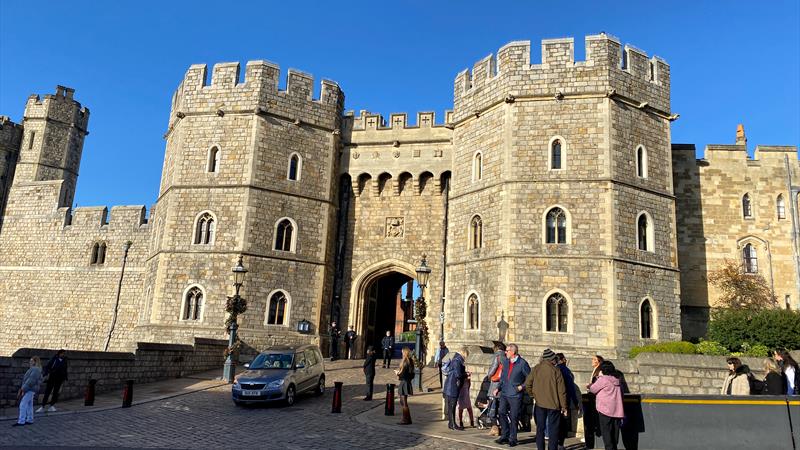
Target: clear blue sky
732	62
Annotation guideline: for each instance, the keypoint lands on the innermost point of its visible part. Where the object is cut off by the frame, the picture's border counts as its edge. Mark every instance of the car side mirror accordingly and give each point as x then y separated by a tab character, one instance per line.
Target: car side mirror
300	366
246	365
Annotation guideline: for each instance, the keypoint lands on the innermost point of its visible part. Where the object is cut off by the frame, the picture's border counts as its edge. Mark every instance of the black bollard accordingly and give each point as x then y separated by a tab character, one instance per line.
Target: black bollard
88	399
127	394
388	409
337	397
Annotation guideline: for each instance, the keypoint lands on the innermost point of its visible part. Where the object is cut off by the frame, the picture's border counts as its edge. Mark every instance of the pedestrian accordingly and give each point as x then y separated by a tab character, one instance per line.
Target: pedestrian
774	381
456	373
55	374
608	391
441	352
31	383
512	385
369	370
445	363
494	378
464	402
591	427
790	371
545	385
738	380
388	346
573	403
406	375
349	343
335	334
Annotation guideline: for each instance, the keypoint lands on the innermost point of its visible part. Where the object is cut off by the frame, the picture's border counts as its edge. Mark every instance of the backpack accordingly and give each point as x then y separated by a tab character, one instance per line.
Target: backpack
496	375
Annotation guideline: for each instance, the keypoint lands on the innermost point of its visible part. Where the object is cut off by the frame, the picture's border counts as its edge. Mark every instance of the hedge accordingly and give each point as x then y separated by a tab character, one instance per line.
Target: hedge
745	330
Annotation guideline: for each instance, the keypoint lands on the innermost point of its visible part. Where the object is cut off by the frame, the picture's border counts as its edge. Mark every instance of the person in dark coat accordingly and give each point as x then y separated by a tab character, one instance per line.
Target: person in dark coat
512	385
349	343
388	346
55	372
369	370
335	334
456	374
573	403
406	375
774	381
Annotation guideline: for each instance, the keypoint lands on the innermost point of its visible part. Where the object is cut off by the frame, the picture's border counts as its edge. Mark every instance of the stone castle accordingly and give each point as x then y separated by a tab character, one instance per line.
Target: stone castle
551	203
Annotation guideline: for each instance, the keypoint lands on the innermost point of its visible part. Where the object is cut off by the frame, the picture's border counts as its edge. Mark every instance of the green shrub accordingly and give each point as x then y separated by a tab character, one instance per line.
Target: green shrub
770	328
407	336
759	350
713	348
664	347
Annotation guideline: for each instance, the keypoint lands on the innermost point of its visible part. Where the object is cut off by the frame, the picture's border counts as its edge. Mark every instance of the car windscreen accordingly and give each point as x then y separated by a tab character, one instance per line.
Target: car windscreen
272	361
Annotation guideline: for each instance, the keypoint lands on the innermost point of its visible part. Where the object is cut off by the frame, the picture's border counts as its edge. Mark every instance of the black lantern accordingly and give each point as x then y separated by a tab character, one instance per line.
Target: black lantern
238	274
423	272
304	326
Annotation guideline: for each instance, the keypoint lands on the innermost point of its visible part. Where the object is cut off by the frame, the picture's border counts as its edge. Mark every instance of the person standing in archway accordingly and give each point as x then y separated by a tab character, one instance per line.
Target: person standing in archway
388	346
349	343
335	334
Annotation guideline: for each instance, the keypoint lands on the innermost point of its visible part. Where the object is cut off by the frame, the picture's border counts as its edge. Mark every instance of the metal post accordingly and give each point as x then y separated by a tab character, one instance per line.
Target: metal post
230	364
127	394
388	408
336	407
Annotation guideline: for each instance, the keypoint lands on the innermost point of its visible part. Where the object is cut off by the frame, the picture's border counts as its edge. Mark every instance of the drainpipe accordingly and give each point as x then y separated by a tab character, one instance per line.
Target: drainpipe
446	197
125	249
793	197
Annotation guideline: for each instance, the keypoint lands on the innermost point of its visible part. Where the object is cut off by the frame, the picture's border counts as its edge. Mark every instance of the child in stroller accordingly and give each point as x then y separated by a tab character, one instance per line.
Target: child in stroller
486	405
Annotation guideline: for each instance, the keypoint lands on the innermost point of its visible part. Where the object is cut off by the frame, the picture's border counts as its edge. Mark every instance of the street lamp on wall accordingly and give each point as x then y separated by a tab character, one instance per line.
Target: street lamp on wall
423	273
236	305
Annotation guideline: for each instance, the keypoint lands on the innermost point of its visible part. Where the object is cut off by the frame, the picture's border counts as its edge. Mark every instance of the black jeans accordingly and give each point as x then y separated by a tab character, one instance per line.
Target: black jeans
387	357
53	386
549	419
609	428
450	404
334	349
370	382
590	428
509	416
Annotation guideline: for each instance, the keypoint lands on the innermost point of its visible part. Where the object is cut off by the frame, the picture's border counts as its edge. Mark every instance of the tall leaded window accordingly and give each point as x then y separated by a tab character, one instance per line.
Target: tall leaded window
556	224
476	232
644	233
556	155
193	304
284	235
213	160
641	162
780	205
646	318
204	229
473	312
294	167
750	259
557	313
747	207
276	313
477	166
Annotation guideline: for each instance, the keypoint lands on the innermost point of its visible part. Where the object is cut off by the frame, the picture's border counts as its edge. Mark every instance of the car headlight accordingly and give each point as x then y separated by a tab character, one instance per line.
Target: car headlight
276	383
236	384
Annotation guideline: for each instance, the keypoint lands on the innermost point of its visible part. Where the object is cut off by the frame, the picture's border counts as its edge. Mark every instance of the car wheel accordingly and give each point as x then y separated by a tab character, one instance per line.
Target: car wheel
320	386
290	396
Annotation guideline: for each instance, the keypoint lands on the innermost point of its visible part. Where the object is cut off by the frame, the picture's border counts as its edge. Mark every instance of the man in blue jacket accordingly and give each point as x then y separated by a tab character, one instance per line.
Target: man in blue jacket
512	385
456	374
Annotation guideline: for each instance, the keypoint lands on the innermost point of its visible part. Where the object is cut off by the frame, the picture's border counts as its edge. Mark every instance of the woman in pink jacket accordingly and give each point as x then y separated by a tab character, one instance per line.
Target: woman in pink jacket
608	391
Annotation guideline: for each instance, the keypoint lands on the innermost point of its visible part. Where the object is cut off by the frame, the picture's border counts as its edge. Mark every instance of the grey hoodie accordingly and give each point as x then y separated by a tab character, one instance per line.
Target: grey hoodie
32	379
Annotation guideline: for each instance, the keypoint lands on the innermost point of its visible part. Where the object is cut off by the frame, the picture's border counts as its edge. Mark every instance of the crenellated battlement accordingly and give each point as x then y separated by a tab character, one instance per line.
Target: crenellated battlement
60	106
10	134
608	66
258	91
738	152
129	218
397	121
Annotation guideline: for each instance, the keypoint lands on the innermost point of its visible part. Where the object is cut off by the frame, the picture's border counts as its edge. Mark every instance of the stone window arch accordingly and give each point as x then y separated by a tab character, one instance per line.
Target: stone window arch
472	312
295	167
477	166
278	306
98	254
747	206
404	183
364	182
212	163
476	232
425	179
384	183
780	206
641	161
205	227
192	304
285	235
557	153
648	325
645	234
557	225
557	312
749	259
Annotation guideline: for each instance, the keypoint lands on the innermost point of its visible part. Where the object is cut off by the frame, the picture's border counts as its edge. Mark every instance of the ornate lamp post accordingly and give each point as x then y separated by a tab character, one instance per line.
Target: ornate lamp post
423	273
236	305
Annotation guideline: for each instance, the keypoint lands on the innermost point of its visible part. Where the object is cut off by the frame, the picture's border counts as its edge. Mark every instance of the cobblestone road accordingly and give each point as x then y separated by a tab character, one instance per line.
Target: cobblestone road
209	419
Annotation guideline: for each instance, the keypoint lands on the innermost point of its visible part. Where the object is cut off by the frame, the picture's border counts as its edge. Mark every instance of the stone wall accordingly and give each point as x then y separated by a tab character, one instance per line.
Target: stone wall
150	362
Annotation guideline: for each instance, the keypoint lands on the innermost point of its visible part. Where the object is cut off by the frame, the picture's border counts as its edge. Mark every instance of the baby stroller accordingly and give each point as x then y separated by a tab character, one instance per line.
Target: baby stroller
486	405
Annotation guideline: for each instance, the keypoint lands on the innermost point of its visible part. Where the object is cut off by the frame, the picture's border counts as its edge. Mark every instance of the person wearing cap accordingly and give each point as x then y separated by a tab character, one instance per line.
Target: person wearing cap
546	385
350	343
512	383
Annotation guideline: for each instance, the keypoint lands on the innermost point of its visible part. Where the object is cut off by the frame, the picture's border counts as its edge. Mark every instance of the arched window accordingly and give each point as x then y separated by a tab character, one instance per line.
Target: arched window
295	164
284	236
98	253
781	207
476	232
557	314
750	259
645	235
646	319
641	162
192	304
276	311
557	152
477	166
556	223
473	312
204	229
747	207
213	160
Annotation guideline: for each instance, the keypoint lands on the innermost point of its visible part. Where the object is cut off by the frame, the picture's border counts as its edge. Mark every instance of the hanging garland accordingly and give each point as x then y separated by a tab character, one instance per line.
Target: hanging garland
236	305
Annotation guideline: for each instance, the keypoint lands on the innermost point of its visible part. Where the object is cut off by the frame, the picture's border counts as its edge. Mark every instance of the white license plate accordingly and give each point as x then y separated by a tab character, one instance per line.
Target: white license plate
250	392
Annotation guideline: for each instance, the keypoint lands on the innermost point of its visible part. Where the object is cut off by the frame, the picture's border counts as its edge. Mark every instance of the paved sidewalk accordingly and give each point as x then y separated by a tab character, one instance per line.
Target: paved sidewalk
142	393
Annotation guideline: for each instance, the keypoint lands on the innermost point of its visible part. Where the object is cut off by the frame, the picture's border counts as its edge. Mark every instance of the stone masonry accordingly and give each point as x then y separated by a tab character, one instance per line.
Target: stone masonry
322	204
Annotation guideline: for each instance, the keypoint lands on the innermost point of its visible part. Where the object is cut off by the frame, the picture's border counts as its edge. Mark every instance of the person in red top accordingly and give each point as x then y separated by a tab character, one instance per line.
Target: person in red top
512	383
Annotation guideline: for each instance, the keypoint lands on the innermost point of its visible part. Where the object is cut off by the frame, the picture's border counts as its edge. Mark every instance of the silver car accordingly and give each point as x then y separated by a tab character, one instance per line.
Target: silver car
280	373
